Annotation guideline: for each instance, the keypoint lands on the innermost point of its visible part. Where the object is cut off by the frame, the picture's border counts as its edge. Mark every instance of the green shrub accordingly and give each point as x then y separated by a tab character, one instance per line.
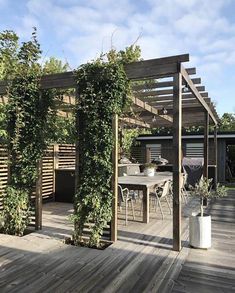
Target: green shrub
16	212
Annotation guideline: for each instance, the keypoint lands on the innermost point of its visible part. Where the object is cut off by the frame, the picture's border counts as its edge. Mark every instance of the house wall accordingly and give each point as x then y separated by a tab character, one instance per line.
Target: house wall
167	148
167	152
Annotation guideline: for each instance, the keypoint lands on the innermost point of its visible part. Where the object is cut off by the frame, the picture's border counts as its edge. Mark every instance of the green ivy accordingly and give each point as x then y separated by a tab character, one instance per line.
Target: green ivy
27	113
103	91
16	213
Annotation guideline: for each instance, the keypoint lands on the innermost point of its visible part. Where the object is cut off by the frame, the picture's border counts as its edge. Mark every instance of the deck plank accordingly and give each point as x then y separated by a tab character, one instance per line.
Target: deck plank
213	270
140	261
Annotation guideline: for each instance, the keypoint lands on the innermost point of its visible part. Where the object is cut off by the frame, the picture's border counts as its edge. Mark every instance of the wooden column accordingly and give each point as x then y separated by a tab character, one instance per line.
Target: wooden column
115	179
38	198
206	144
177	160
56	161
215	155
147	155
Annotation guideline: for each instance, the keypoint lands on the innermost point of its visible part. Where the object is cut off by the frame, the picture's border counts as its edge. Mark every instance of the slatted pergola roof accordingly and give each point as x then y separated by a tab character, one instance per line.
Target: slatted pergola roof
152	93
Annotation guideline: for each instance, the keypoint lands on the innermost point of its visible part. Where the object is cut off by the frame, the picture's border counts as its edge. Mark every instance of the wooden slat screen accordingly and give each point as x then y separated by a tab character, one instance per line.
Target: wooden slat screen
66	156
155	151
48	174
4	179
3	172
194	150
138	153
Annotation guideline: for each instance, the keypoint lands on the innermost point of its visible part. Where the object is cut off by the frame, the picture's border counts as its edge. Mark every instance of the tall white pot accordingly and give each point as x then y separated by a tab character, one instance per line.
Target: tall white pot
200	231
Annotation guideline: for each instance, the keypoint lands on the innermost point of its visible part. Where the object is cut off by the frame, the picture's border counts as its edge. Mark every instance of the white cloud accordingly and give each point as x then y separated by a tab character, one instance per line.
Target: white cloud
26	28
82	29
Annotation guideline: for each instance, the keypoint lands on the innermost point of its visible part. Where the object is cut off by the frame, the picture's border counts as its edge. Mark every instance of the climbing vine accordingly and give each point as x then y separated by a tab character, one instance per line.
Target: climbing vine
103	91
27	113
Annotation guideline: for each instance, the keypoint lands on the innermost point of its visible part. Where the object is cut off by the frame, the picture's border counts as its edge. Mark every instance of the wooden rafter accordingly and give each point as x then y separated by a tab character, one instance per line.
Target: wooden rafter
134	121
160	84
196	93
150	109
162	92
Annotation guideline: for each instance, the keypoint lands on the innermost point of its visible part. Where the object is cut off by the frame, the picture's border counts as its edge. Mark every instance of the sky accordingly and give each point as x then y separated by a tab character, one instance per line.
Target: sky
77	31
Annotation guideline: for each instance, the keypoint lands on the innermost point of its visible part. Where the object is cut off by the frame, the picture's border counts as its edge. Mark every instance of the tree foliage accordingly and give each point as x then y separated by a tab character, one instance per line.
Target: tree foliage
227	122
54	65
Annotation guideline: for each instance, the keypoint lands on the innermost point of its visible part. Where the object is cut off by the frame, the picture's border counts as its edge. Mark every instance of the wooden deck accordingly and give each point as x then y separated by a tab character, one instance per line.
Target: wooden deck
213	270
140	261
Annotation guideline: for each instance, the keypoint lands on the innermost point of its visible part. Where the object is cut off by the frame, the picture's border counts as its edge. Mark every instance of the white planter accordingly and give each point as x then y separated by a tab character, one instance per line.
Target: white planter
149	171
200	231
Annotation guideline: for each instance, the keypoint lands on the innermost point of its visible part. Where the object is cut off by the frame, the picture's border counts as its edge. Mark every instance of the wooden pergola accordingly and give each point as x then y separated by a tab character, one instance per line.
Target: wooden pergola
166	96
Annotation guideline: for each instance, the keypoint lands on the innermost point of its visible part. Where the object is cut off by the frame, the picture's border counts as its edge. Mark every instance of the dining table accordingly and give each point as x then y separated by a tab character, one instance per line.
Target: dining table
146	184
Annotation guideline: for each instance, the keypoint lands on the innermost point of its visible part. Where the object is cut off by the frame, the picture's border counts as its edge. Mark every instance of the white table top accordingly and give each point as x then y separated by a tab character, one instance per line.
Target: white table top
148	181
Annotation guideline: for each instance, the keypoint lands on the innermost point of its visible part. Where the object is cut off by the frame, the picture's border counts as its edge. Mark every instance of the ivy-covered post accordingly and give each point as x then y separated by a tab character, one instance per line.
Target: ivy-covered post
114	178
77	161
103	96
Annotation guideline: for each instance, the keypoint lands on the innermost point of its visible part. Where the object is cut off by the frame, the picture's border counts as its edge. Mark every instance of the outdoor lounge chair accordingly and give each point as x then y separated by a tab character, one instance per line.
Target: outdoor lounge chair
125	198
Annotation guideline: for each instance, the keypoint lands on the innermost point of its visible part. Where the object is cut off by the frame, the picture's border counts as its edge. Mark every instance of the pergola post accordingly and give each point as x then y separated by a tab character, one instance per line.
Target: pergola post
114	179
215	155
206	144
38	198
177	161
147	155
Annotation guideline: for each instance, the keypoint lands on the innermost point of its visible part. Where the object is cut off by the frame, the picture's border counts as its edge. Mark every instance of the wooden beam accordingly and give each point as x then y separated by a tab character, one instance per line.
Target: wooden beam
168	104
139	123
206	144
149	68
59	80
196	80
147	155
159	61
154	85
139	71
191	71
114	220
158	93
197	106
159	84
177	164
149	108
197	94
170	97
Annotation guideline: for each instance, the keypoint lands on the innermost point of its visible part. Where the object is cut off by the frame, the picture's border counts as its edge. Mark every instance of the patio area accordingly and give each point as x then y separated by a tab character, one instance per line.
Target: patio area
147	254
141	259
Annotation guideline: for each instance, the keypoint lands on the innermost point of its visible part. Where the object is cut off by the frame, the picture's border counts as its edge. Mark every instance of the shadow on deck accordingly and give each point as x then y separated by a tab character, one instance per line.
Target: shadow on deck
213	270
141	259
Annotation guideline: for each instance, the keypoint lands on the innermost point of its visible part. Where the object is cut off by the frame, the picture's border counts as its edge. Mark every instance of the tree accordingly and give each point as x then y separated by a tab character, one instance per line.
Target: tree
54	65
227	122
8	53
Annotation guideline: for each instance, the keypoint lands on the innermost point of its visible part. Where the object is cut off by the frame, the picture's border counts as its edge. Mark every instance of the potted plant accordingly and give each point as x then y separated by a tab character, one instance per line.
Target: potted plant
200	223
149	169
